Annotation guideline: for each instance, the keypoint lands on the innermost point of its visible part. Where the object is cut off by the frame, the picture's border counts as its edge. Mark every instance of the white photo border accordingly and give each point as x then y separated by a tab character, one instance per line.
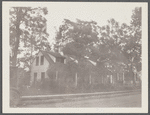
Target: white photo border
5	63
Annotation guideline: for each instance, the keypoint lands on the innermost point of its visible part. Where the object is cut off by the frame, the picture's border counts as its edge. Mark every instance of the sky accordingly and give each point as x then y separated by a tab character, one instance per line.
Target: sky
87	11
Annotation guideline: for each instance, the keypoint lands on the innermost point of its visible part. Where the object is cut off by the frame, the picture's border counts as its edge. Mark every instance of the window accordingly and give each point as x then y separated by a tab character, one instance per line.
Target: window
35	77
61	60
37	61
42	60
42	76
57	59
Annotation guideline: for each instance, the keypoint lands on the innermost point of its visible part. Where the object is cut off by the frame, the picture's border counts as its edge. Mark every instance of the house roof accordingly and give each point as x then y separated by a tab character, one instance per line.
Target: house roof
47	56
55	54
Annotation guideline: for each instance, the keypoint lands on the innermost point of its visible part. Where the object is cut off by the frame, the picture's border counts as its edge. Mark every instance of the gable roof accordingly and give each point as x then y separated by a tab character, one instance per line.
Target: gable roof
55	54
49	59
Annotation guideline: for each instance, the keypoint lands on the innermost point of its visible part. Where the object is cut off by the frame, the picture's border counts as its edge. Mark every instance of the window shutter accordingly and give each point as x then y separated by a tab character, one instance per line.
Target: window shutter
37	61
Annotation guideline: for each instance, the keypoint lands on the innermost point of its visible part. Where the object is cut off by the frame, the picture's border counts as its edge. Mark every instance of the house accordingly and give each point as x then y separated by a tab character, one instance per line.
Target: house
44	66
40	64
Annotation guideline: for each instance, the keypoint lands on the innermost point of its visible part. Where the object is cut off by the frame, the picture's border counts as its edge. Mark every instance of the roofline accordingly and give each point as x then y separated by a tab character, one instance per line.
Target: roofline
44	56
35	57
56	56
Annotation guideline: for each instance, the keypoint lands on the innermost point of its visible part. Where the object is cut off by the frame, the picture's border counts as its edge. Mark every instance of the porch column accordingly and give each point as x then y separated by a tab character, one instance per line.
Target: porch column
118	76
135	77
90	79
76	80
111	80
56	75
123	77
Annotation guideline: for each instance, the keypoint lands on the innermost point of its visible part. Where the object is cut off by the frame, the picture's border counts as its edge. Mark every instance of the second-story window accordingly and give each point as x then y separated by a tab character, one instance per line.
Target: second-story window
57	59
61	60
42	60
37	61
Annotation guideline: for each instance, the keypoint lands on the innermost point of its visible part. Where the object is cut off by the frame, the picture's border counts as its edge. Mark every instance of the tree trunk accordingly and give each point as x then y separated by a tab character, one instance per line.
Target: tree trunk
18	33
14	61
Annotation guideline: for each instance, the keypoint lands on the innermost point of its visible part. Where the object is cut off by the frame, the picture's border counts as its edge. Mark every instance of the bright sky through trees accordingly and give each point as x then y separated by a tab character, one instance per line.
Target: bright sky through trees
99	12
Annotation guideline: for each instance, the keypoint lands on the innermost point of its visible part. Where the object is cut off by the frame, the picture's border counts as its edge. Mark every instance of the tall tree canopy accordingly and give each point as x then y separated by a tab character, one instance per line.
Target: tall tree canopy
119	46
75	37
132	49
27	32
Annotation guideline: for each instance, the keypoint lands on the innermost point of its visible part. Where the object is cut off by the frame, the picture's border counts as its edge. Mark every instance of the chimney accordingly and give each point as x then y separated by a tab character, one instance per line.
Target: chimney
59	51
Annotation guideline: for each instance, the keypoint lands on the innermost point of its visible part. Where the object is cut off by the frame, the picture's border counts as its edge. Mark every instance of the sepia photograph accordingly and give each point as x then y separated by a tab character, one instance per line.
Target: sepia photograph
62	57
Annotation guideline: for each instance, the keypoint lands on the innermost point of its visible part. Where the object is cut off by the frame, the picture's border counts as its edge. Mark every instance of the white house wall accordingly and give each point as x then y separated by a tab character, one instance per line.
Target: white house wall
38	69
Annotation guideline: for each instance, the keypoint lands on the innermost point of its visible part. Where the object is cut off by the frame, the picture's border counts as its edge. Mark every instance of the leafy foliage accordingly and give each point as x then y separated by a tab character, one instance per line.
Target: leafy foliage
27	32
114	48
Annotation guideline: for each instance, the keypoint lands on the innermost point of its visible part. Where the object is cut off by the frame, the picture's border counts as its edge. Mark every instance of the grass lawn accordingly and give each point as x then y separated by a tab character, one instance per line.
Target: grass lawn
37	91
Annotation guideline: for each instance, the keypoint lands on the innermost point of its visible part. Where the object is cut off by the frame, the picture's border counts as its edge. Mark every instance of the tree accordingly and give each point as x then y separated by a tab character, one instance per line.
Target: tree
75	39
117	45
27	28
84	41
123	43
137	36
76	35
132	48
136	17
